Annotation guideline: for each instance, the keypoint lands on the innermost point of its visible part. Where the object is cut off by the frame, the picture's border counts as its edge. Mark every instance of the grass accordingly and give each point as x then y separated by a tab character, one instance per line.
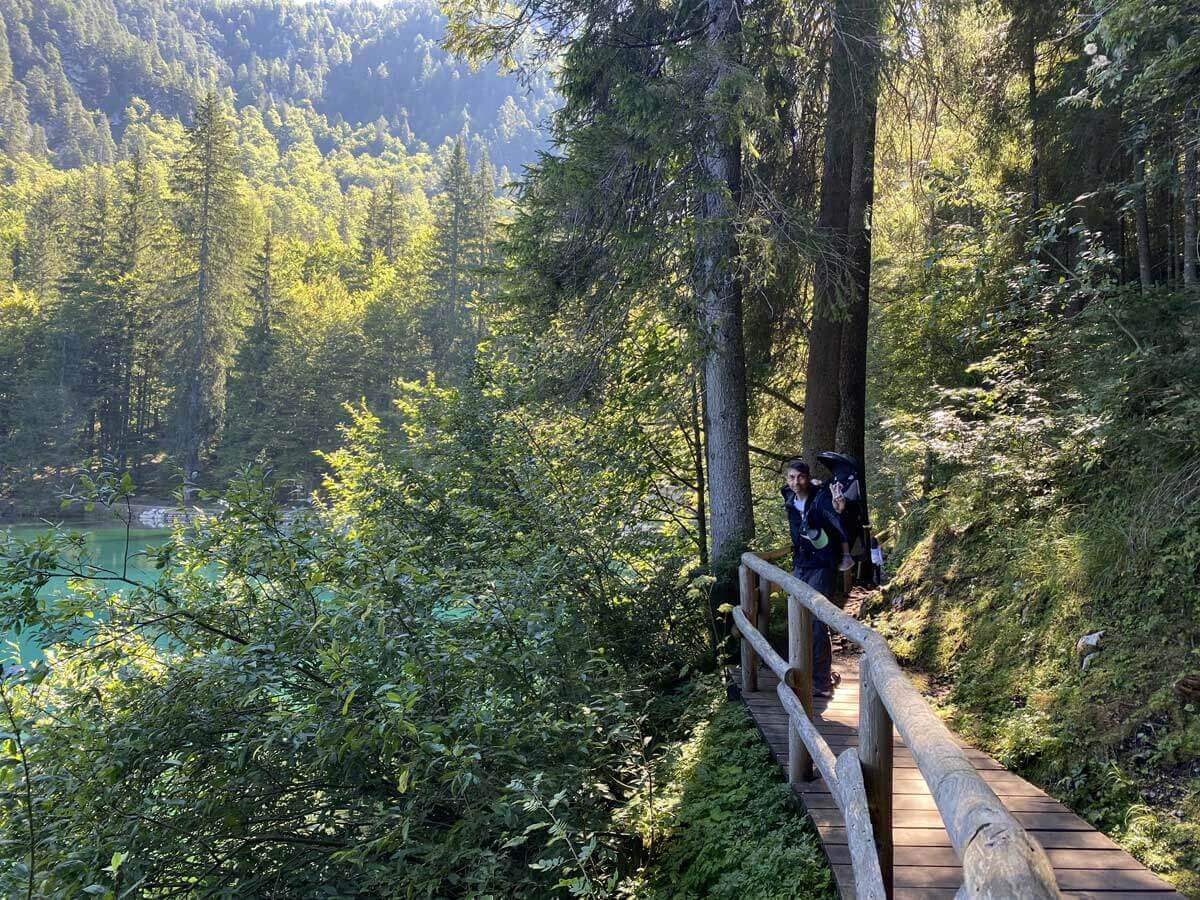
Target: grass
992	614
720	822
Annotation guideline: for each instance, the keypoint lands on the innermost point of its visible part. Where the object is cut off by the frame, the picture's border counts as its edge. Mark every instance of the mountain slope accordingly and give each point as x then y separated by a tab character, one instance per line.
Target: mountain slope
69	70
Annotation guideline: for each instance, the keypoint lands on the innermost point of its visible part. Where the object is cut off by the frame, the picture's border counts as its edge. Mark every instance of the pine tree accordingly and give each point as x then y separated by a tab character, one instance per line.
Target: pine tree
141	234
455	230
211	221
249	386
480	257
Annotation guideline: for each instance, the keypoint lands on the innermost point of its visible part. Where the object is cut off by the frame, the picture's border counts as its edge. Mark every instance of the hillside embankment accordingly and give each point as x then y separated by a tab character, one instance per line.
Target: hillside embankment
1066	652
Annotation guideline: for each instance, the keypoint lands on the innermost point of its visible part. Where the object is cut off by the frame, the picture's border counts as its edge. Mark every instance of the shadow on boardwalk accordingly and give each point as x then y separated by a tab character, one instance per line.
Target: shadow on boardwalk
1086	863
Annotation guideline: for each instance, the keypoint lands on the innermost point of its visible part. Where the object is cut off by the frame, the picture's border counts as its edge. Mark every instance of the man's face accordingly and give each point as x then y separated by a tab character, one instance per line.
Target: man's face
797	481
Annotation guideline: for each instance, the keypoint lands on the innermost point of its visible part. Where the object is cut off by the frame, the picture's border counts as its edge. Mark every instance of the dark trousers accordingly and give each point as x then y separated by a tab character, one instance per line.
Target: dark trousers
819	579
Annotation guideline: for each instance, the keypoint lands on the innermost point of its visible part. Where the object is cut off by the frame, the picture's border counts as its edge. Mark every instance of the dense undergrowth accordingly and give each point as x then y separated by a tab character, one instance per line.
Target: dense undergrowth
722	823
439	683
1052	495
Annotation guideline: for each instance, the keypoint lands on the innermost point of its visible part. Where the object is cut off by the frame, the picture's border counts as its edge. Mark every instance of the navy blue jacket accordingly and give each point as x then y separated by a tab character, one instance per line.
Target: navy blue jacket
818	513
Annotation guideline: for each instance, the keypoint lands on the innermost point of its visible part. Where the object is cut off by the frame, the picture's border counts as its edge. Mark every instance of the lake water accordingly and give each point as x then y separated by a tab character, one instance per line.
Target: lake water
108	547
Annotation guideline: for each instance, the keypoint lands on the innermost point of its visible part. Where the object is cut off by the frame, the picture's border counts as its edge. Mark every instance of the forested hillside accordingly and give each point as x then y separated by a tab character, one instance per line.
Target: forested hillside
223	222
70	70
480	467
219	293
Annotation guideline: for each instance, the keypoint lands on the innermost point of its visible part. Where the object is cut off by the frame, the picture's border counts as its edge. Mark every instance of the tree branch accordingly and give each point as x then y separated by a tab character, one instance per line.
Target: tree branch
782	457
782	398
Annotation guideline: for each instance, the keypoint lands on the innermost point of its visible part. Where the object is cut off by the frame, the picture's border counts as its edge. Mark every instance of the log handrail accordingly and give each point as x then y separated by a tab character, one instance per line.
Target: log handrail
999	858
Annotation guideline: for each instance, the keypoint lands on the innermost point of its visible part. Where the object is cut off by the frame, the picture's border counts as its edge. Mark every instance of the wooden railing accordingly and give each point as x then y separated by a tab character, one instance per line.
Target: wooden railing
999	858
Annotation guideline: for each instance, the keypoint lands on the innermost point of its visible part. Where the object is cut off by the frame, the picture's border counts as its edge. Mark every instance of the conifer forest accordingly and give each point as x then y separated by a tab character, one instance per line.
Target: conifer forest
389	392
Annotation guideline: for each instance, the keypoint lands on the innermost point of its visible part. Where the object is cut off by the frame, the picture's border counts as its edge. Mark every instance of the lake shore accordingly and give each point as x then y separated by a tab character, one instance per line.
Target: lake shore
143	512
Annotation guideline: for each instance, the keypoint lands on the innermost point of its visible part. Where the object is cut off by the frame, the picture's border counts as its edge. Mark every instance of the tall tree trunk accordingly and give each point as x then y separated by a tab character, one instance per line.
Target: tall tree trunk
1191	134
1171	254
1035	198
1124	254
192	418
1142	220
851	430
822	391
696	442
835	400
719	304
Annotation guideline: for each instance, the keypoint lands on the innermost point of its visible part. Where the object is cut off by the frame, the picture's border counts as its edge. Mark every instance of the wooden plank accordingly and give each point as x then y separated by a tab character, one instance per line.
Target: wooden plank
1103	860
1110	880
920	818
901	837
1068	879
1086	863
814	794
941	893
950	894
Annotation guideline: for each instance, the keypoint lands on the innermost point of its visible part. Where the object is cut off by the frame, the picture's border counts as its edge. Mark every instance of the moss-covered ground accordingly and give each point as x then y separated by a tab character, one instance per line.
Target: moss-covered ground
720	821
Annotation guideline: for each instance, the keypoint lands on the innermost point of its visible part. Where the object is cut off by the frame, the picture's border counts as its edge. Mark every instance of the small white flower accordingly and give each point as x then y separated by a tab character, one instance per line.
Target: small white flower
1090	48
1100	61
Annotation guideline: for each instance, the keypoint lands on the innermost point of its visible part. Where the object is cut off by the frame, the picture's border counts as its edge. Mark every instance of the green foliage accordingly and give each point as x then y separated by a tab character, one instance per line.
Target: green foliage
1035	406
213	223
1050	493
435	684
720	823
69	70
161	314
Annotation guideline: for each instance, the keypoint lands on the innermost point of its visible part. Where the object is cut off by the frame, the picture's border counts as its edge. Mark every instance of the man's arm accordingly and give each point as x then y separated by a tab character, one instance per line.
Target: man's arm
834	521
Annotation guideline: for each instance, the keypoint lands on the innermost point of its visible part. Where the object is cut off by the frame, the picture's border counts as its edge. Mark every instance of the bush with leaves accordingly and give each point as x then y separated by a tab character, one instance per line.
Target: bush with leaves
432	685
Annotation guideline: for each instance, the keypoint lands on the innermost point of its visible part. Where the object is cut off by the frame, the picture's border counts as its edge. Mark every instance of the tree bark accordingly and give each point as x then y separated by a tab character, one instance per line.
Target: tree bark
1142	220
719	305
1170	253
822	392
1035	198
1191	134
835	401
851	430
697	449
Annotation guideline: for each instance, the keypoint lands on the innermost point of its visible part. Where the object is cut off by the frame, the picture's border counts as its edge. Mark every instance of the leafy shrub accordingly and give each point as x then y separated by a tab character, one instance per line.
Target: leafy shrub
434	685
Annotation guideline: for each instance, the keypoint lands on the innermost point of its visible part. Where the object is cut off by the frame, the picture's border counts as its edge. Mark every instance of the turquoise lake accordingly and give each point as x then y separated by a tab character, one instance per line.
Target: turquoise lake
109	548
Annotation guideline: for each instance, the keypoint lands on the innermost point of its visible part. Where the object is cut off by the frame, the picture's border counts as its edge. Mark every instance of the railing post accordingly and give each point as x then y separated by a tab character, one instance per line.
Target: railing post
764	606
799	619
748	597
875	755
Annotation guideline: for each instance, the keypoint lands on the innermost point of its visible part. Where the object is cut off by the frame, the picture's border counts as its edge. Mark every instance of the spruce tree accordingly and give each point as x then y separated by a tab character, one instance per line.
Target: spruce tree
141	233
455	230
90	323
484	211
249	386
211	221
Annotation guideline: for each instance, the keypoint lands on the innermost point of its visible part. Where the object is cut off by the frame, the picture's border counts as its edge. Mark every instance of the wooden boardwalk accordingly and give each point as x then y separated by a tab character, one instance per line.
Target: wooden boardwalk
1086	863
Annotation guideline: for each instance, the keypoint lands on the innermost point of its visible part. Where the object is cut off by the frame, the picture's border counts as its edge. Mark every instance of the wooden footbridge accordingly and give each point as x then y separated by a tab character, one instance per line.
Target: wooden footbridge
904	808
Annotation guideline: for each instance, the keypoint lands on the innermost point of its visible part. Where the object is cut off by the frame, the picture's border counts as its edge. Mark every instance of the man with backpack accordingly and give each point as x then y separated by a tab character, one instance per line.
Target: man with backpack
820	546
